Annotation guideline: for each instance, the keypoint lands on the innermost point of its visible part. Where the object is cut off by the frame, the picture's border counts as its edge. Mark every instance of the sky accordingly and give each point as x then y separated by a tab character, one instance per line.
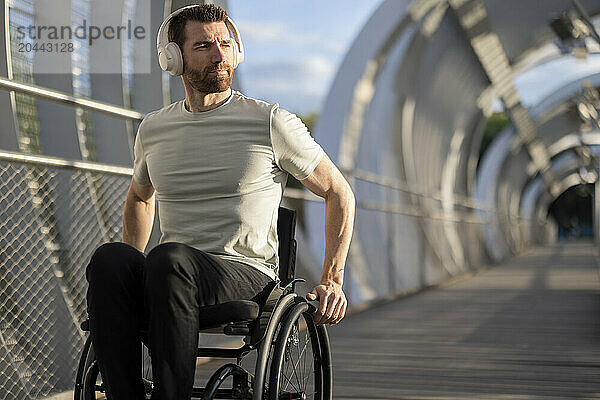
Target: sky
293	48
536	83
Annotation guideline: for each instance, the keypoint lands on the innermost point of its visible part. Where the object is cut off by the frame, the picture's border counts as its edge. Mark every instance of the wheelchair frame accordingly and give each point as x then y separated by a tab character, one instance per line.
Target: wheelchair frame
271	334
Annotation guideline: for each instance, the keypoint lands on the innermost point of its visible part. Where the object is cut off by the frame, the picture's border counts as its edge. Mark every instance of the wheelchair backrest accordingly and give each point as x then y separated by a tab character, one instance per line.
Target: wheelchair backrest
286	233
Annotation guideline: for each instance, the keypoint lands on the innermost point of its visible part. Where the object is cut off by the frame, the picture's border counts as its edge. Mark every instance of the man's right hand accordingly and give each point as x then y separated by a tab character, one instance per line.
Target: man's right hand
332	303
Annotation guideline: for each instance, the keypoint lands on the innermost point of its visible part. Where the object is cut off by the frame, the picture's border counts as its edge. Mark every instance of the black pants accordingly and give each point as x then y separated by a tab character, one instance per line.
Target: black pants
160	294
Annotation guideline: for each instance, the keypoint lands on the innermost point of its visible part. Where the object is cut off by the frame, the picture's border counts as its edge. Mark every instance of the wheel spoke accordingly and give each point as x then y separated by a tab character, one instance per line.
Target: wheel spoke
304	358
287	356
286	371
288	379
296	365
302	377
294	370
296	373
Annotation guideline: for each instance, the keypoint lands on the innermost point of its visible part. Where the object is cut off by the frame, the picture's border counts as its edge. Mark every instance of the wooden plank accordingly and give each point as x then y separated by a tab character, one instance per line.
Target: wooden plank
527	329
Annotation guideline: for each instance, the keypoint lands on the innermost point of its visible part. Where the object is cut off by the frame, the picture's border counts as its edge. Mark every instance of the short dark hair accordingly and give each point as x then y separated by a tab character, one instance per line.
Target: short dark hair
203	13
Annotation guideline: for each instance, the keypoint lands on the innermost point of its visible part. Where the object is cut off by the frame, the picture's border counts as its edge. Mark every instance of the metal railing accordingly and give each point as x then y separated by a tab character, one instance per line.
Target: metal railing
64	98
394	184
45	161
291	193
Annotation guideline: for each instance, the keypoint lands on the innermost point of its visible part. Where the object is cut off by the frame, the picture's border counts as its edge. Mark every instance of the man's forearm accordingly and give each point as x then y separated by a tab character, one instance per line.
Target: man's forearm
138	218
339	223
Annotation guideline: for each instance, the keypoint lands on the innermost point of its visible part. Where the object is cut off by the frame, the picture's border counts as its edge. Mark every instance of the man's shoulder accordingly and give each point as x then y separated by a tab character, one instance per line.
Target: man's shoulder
272	109
161	112
253	104
154	120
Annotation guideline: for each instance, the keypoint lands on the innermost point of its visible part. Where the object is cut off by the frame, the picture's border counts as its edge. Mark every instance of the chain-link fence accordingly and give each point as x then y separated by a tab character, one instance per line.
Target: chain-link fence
52	217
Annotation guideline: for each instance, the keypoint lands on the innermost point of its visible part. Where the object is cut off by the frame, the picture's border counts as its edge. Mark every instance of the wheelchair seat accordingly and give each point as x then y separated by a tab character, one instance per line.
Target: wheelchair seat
231	312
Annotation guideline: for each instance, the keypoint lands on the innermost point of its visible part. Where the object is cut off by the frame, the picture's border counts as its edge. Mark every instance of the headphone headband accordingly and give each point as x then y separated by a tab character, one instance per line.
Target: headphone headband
170	55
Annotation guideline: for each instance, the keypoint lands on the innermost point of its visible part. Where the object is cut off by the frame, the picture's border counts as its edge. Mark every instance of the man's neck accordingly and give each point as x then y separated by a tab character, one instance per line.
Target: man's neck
197	101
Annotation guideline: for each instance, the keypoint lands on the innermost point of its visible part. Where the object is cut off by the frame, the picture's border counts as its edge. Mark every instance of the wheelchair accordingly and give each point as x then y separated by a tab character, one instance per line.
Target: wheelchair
293	358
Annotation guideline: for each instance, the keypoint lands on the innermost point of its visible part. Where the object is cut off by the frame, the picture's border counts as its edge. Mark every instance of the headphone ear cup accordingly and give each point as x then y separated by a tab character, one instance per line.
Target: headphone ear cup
174	59
236	54
163	60
238	47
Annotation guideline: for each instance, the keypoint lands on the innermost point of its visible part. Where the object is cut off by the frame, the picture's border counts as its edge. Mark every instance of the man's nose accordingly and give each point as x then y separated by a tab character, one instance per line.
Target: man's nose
218	53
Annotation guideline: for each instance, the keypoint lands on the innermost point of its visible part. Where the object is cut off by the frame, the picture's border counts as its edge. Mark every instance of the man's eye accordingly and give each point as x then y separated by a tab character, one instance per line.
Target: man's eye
226	44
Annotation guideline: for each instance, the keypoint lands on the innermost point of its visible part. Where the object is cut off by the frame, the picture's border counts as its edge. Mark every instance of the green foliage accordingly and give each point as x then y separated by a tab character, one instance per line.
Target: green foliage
310	120
496	123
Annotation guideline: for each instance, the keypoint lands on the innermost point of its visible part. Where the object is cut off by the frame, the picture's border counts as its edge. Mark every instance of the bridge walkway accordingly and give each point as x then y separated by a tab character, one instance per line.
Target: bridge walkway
526	329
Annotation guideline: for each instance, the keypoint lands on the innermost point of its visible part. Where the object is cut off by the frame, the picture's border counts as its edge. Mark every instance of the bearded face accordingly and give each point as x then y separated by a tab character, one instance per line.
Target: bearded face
208	57
210	79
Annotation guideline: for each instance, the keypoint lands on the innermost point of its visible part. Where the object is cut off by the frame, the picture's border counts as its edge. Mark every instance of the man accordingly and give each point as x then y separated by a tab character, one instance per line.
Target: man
217	162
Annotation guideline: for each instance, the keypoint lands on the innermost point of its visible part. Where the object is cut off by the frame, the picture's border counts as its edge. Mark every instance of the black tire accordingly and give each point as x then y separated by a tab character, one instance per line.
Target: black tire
326	362
89	385
297	367
263	359
82	367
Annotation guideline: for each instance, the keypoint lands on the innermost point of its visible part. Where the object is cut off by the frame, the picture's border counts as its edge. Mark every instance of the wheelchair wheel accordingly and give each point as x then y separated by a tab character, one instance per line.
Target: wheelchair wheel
89	385
298	369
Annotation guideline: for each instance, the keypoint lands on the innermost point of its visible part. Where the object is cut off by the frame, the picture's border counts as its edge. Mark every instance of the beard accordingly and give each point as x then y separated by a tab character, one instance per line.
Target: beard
206	81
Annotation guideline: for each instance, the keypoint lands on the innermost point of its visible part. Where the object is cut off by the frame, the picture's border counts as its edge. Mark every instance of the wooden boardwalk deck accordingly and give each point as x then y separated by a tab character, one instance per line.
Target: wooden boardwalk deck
527	329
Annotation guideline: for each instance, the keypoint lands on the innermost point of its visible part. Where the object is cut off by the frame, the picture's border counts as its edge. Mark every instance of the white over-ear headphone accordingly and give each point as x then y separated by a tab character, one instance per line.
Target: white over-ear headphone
169	53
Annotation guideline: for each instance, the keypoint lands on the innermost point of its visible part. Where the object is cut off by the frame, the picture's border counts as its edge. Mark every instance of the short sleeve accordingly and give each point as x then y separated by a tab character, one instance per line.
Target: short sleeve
140	168
295	150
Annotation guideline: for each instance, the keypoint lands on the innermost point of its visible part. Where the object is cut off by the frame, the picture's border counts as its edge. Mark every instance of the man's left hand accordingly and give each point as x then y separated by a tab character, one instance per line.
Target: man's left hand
332	303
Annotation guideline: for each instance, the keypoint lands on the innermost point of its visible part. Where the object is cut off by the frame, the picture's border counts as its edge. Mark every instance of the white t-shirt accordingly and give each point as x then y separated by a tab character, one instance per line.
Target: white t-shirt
219	175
